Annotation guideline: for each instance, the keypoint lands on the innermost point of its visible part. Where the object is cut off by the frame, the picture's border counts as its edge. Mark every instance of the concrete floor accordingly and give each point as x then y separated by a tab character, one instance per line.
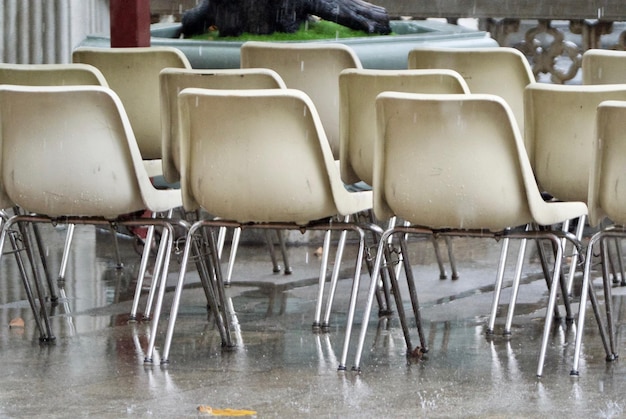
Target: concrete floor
280	368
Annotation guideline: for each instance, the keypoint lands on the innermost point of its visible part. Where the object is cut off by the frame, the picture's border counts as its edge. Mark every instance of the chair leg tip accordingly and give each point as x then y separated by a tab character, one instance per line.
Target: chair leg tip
574	373
341	367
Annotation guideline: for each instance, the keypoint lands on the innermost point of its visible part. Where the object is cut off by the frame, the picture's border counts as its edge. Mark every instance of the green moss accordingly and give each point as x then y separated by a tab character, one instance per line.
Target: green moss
321	29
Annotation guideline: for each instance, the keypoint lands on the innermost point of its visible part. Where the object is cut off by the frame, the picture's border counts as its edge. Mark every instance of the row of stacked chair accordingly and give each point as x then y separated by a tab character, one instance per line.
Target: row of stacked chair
410	122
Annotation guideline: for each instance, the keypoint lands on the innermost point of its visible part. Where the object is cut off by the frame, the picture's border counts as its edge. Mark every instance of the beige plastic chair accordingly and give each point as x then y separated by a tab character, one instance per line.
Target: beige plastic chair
243	177
434	163
52	75
98	176
358	89
602	66
133	73
501	71
560	121
173	81
311	67
560	132
607	202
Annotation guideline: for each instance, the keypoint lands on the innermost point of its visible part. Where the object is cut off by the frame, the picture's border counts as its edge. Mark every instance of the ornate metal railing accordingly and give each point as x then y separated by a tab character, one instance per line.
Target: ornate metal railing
542	41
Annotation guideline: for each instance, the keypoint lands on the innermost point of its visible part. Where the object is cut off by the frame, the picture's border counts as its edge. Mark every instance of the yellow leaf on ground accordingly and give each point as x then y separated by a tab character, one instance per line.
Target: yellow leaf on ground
225	412
16	322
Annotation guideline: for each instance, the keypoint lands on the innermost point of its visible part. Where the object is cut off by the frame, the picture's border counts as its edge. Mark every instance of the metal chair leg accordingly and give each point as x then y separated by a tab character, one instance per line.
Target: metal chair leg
69	235
588	291
322	280
334	277
498	285
551	303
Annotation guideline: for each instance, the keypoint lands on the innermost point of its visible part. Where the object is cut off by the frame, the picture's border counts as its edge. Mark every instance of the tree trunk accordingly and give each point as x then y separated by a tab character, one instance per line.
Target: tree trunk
234	17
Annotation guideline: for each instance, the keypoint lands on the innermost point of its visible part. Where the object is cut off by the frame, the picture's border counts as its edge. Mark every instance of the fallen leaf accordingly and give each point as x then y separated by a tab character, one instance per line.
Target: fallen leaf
319	251
17	322
225	412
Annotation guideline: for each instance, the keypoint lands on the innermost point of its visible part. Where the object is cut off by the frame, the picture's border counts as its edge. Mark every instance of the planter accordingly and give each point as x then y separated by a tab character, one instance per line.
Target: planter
381	52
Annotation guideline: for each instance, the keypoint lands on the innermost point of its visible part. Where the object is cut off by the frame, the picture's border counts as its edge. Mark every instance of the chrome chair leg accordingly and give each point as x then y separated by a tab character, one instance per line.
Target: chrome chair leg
322	280
574	262
515	287
334	277
234	246
498	285
587	291
69	235
143	267
287	269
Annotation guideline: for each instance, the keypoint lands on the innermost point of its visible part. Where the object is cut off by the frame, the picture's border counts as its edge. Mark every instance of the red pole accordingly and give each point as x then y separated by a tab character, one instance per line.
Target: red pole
130	23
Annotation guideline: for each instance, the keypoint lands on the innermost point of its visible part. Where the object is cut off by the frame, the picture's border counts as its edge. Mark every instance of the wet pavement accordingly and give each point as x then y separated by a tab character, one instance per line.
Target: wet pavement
280	367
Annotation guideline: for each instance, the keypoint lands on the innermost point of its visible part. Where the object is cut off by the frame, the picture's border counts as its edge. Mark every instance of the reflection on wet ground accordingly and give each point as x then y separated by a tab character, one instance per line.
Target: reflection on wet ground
280	368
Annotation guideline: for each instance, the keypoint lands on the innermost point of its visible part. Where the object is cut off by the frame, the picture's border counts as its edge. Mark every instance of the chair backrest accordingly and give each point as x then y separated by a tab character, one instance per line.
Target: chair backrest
47	75
607	180
69	151
358	89
174	80
560	130
502	71
51	75
311	67
601	66
269	162
133	73
451	161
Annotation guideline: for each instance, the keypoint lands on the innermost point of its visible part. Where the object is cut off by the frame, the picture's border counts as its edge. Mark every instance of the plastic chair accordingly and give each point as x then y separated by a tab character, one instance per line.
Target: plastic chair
501	71
52	75
311	67
607	202
358	89
133	73
560	121
89	168
602	66
173	81
435	159
560	132
240	177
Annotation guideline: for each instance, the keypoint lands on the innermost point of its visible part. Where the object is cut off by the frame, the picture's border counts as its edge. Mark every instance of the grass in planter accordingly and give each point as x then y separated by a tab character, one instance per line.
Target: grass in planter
308	31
